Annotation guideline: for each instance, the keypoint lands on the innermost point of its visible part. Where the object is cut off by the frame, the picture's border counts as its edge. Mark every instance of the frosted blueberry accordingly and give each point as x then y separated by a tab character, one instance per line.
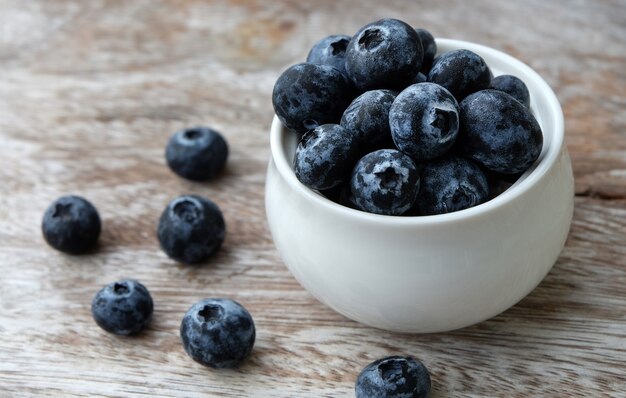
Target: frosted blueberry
367	118
461	72
512	86
308	95
499	132
384	54
384	182
424	121
330	50
325	156
450	183
393	377
218	332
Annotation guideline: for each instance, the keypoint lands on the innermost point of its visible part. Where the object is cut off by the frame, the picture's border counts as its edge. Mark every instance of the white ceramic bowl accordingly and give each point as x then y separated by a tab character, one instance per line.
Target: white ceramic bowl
432	273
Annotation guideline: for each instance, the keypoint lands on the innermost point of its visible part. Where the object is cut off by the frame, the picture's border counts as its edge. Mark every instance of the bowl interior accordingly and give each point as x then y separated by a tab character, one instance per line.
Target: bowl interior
543	103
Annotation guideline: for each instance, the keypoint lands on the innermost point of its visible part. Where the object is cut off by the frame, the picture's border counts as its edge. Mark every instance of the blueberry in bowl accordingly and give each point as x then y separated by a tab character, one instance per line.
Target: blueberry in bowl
384	54
384	182
434	272
324	156
330	50
308	95
424	121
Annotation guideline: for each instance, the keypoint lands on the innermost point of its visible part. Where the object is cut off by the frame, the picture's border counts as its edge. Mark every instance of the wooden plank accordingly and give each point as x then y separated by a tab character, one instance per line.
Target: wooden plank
91	91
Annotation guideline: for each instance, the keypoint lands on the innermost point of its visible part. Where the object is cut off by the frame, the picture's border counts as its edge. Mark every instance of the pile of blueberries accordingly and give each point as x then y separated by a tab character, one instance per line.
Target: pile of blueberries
216	332
389	127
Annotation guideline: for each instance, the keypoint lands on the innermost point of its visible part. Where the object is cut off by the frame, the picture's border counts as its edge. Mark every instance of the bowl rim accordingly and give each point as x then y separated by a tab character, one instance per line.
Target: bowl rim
529	179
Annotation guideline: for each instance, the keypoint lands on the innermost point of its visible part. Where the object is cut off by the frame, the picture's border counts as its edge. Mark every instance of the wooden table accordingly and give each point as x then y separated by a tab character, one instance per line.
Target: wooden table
90	91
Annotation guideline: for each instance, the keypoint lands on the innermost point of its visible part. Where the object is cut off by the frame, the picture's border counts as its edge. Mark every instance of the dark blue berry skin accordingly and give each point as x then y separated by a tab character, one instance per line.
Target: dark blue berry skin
72	225
451	183
123	307
384	54
218	333
308	95
498	183
499	132
367	118
420	78
331	50
512	86
197	153
462	72
384	182
325	156
191	229
340	194
393	377
430	48
424	121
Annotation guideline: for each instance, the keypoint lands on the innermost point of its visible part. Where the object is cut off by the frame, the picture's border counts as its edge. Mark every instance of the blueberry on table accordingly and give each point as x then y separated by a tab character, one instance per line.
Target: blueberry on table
325	156
218	332
71	224
330	50
384	182
450	183
499	132
308	95
191	229
429	46
393	377
512	86
462	72
367	118
384	54
123	307
197	153
424	121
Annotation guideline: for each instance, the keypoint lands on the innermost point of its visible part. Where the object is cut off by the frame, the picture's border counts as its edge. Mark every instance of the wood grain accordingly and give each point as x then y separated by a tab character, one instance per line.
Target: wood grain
91	90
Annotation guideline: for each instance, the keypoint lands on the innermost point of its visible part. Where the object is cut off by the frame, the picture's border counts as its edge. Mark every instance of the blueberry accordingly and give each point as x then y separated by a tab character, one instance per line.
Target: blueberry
393	377
461	72
71	224
420	78
325	156
430	48
340	194
498	183
333	193
384	182
424	121
384	54
197	153
512	86
499	132
218	332
331	50
191	229
346	199
367	118
308	95
123	307
451	183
